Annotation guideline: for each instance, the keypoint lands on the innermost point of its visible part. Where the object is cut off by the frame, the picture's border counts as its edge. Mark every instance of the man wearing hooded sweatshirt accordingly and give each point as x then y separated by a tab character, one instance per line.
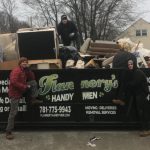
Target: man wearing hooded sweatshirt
67	30
120	62
21	81
135	89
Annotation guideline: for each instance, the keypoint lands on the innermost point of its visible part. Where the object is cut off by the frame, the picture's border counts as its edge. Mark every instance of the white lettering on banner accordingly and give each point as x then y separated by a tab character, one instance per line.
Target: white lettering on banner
148	79
103	110
22	108
100	112
4	89
1	100
107	107
7	100
55	111
6	108
22	101
1	109
4	82
54	115
62	97
91	107
148	97
89	95
4	100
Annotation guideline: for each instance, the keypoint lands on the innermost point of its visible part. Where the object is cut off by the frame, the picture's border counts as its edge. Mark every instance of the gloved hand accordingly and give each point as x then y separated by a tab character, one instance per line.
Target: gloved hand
28	86
28	90
71	35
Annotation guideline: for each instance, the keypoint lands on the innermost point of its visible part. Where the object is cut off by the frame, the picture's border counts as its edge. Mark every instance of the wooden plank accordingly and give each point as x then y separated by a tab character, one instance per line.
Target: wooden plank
104	45
107	61
106	50
44	61
101	54
53	63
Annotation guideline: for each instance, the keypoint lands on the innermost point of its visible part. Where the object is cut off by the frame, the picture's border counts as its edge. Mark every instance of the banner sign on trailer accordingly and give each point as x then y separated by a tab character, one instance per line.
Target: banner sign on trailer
71	96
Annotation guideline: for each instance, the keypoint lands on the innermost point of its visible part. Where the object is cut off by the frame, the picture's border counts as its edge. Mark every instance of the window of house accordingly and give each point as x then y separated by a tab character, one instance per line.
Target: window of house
144	32
138	32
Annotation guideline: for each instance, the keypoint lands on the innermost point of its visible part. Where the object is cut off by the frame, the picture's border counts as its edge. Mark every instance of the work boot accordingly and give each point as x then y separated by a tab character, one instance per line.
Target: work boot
9	136
35	101
144	133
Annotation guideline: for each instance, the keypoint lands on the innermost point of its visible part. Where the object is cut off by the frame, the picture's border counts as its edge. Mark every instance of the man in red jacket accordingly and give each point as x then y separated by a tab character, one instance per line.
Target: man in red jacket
21	80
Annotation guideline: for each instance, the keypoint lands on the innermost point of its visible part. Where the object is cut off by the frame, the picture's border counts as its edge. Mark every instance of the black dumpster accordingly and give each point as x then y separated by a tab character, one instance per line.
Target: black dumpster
73	97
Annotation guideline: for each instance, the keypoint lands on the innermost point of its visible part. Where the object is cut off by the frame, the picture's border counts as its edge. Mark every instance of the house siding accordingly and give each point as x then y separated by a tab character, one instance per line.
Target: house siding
130	32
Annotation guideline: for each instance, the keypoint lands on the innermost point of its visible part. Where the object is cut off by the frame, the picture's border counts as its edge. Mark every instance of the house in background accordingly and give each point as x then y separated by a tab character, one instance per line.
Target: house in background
138	31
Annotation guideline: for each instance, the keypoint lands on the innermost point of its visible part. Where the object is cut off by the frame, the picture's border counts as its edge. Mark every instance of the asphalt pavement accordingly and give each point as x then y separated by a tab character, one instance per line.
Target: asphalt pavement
75	140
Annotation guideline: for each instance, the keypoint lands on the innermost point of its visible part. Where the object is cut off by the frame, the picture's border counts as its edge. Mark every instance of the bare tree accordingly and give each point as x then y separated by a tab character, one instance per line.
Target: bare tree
47	9
4	23
98	19
9	7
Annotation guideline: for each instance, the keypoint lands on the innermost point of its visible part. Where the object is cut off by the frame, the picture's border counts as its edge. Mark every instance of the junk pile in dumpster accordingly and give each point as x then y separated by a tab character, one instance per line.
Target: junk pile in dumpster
41	47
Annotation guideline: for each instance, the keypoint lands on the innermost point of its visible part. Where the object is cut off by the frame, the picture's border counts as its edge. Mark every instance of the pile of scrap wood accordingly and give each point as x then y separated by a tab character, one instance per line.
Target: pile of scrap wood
103	51
107	50
103	48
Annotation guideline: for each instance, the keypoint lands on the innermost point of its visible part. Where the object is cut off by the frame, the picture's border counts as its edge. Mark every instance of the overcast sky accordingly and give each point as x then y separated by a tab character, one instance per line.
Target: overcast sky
23	12
143	9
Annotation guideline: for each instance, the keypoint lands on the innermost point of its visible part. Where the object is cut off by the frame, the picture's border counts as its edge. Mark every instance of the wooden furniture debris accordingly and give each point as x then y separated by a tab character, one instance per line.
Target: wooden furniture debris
103	48
95	63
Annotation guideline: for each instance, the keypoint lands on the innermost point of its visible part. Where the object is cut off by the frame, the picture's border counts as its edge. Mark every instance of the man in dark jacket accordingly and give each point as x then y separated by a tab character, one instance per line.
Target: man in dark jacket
67	30
120	62
21	80
121	58
135	90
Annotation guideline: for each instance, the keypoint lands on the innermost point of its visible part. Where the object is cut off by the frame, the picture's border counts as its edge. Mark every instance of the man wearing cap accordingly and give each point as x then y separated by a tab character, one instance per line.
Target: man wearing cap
21	80
67	30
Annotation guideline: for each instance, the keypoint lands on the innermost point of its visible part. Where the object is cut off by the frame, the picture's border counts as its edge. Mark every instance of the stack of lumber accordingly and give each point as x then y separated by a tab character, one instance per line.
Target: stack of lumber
103	49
